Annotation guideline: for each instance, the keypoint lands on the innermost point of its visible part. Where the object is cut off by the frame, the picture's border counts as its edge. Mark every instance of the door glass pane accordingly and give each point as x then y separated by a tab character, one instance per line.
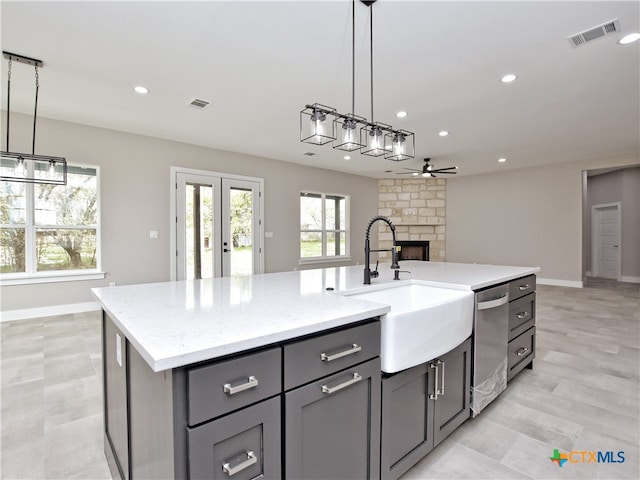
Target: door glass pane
241	242
199	231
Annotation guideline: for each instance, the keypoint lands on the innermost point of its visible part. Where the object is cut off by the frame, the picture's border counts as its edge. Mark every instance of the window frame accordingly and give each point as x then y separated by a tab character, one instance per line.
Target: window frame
31	275
324	258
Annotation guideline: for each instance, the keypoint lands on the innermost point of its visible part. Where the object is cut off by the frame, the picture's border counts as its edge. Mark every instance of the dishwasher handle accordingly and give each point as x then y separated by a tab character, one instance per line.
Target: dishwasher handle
493	303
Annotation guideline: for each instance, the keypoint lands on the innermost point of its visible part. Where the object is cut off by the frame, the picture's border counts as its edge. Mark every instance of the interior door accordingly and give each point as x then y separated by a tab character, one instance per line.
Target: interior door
218	226
606	241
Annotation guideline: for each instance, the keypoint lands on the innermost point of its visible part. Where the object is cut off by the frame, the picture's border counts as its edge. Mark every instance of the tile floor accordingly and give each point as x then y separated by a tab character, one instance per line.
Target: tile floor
582	395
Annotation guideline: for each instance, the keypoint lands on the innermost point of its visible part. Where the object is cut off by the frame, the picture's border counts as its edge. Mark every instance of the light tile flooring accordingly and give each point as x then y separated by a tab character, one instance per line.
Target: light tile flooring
582	395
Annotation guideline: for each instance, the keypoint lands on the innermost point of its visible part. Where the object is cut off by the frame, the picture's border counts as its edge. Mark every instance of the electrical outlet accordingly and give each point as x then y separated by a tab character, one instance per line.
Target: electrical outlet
112	284
153	234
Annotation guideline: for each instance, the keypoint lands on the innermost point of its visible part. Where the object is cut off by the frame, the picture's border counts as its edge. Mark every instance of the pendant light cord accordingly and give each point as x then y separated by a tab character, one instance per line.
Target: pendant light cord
35	114
371	53
8	102
353	57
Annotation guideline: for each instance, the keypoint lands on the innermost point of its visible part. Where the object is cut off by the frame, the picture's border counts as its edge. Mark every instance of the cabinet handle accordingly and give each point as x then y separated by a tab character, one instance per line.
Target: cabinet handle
493	303
521	315
434	396
522	352
524	287
355	348
356	378
230	471
441	391
250	383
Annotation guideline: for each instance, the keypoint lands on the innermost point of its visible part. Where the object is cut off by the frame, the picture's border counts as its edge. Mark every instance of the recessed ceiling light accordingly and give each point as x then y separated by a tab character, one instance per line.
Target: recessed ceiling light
502	160
632	37
508	78
140	89
401	114
347	157
443	133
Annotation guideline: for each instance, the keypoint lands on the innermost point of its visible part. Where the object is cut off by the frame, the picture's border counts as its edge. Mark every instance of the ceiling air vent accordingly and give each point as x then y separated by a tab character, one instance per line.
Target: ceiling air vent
581	38
198	103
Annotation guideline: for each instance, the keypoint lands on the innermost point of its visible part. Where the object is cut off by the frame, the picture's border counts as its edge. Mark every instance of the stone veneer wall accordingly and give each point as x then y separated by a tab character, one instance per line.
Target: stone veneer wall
416	207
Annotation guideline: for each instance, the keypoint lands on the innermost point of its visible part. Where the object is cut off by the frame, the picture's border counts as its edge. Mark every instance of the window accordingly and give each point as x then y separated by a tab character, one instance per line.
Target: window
324	227
50	230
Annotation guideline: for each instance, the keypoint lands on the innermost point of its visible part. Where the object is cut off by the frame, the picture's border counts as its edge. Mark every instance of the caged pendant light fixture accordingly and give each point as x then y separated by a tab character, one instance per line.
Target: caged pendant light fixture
25	167
320	124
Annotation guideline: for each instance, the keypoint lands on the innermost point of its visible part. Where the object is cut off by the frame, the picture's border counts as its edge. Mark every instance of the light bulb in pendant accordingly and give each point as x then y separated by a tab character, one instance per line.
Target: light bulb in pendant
20	169
398	144
349	134
51	173
318	125
376	139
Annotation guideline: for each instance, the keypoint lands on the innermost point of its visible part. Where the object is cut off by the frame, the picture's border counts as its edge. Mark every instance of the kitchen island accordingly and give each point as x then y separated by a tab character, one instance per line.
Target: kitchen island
166	344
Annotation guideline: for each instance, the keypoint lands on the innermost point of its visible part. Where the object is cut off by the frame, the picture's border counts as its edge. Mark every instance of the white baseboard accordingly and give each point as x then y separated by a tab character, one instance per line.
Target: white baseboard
629	279
25	313
559	283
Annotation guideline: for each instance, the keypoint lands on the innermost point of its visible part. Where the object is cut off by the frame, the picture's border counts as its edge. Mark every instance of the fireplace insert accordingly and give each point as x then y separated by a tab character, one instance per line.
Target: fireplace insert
413	250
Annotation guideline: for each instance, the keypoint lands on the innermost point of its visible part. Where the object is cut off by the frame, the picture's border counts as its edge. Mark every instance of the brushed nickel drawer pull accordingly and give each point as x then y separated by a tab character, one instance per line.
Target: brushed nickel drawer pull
522	352
441	391
434	395
521	315
524	287
356	378
355	348
251	382
230	471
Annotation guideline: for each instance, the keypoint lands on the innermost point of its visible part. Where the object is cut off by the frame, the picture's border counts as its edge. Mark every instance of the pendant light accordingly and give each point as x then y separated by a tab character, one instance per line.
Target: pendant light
373	139
25	167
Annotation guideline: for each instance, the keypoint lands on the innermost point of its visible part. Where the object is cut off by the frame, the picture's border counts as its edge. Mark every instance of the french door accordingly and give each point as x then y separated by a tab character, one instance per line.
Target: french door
218	225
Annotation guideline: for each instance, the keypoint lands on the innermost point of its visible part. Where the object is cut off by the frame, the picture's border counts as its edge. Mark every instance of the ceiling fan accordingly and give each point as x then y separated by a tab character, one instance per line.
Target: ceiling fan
428	170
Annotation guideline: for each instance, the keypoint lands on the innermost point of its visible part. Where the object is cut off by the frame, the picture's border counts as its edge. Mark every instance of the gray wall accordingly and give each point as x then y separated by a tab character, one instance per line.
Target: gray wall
527	216
135	199
620	186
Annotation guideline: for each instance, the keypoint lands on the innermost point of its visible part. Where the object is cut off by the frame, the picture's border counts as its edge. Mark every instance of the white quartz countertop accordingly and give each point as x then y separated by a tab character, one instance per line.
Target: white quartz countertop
173	324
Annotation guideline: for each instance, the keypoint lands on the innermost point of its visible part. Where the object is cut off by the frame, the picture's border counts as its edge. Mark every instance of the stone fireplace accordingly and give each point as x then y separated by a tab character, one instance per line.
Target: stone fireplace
416	206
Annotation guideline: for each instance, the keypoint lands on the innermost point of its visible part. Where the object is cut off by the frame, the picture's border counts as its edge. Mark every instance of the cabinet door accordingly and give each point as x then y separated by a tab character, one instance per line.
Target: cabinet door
452	407
407	419
244	445
114	353
333	426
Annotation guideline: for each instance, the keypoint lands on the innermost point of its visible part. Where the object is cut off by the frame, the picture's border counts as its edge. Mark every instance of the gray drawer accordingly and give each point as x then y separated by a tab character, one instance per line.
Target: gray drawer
522	351
247	444
310	359
521	315
521	287
216	389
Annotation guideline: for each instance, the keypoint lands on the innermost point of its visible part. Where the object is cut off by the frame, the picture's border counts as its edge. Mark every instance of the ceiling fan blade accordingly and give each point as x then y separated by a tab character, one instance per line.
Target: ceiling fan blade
412	169
439	172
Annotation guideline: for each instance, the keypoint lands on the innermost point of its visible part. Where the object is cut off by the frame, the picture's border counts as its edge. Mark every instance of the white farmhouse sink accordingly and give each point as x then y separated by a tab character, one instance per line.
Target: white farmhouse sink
424	322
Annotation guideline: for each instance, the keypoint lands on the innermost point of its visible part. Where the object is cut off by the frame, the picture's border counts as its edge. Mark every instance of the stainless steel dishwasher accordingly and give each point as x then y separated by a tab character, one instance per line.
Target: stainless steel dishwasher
491	339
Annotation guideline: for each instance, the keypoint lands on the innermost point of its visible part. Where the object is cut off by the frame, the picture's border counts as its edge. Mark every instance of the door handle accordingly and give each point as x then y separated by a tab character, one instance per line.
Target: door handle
493	303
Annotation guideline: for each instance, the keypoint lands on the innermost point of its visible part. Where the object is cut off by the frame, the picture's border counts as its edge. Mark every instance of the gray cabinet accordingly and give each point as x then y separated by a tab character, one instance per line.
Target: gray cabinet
244	445
114	353
226	418
332	405
522	317
421	406
332	426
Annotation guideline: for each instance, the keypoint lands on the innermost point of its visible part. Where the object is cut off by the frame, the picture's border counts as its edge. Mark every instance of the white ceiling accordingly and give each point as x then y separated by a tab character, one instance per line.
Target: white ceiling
259	63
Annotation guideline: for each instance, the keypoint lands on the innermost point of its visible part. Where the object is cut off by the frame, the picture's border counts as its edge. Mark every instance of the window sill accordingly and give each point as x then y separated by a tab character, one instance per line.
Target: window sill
317	260
51	277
